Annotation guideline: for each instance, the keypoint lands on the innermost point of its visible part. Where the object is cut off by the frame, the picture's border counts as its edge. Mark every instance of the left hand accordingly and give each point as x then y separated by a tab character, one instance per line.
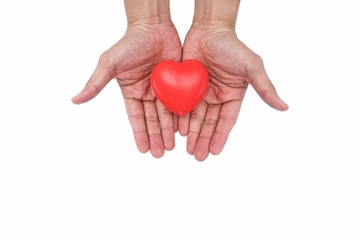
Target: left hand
232	67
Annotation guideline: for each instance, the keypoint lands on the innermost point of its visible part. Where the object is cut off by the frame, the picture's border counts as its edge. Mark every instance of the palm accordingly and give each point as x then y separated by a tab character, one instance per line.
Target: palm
135	55
232	67
227	82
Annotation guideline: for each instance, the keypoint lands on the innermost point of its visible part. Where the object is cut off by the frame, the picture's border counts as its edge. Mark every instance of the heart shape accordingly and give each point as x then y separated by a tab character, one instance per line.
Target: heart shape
179	86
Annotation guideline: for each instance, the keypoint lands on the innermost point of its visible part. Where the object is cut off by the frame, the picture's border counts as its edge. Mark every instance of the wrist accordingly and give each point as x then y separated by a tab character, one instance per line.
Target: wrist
140	12
216	13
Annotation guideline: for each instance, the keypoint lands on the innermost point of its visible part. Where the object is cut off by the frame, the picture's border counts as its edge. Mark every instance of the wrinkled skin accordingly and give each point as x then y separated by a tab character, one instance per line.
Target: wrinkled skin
131	61
232	67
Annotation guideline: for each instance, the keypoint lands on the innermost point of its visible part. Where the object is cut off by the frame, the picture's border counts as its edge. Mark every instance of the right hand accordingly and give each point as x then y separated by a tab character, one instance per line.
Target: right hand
131	61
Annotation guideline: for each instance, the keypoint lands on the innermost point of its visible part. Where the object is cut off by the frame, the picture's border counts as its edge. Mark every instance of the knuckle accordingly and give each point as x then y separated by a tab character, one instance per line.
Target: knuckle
195	115
210	121
105	59
228	119
136	117
167	129
152	118
257	64
194	132
155	135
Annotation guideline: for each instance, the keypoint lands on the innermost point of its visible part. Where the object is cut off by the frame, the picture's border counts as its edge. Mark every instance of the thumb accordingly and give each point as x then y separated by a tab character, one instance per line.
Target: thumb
265	89
98	80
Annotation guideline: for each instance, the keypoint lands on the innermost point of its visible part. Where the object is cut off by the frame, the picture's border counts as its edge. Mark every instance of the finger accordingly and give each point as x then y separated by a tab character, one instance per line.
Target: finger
202	148
176	121
227	119
135	111
184	124
99	79
197	117
153	129
265	89
167	126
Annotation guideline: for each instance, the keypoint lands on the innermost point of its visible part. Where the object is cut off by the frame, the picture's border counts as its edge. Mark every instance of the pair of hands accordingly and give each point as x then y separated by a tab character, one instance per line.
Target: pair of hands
232	67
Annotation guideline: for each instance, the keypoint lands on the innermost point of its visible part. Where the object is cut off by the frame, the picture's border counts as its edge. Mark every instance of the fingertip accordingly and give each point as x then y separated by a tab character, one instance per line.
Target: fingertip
190	151
266	90
216	149
201	156
183	133
86	95
143	149
73	100
168	137
183	130
183	124
172	147
201	153
191	142
157	153
76	99
142	142
273	100
157	147
169	146
285	107
217	143
281	106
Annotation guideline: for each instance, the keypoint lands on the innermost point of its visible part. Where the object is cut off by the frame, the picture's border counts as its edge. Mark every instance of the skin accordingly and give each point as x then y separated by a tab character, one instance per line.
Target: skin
147	41
150	38
232	67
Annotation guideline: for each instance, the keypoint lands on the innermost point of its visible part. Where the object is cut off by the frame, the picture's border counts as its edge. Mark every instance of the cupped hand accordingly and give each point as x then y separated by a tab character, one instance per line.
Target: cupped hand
131	61
232	67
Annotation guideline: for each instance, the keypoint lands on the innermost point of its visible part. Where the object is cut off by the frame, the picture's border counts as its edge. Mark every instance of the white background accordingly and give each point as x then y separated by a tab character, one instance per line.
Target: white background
73	172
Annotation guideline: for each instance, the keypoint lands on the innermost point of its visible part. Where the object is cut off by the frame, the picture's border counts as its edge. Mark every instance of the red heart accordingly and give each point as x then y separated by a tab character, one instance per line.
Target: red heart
179	86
